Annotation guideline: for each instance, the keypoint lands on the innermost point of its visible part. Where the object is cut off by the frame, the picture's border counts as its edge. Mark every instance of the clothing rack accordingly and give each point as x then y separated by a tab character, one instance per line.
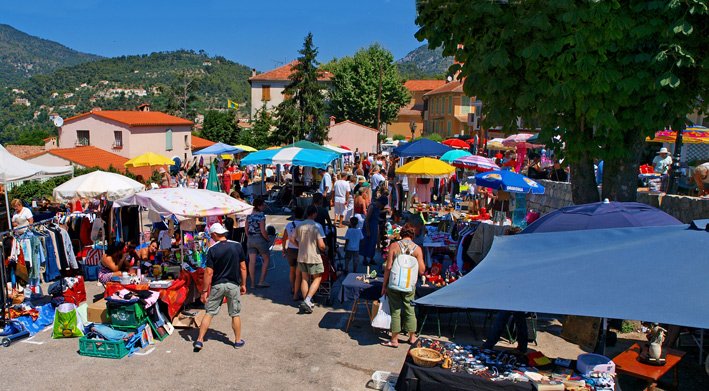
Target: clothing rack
3	277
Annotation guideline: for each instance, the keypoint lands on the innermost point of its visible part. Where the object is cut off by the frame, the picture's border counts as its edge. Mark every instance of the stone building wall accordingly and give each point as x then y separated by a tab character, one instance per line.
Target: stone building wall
684	208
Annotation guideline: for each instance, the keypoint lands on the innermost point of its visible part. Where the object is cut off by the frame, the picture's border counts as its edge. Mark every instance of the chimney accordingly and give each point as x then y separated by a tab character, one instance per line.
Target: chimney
253	72
144	107
332	120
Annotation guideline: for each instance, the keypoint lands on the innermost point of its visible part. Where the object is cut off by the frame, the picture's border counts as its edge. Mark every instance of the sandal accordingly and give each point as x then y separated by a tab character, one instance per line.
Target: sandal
197	346
389	344
239	344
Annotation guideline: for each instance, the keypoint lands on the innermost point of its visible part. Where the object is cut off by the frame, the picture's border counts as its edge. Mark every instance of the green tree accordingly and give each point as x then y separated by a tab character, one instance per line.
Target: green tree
302	115
606	73
182	94
355	87
220	127
258	136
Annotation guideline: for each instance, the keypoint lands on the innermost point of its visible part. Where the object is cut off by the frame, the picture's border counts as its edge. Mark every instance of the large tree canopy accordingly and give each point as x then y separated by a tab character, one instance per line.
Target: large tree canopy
220	127
355	87
302	114
602	74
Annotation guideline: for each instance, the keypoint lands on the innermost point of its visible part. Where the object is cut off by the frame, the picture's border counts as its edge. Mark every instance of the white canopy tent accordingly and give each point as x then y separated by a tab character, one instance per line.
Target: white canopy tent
14	169
186	203
97	184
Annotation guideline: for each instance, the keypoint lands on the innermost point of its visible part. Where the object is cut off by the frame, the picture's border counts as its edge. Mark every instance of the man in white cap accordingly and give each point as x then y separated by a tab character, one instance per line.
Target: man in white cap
224	277
662	162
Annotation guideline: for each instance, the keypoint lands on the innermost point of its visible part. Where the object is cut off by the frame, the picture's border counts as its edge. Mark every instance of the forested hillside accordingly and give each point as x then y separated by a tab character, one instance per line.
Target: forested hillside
122	83
23	56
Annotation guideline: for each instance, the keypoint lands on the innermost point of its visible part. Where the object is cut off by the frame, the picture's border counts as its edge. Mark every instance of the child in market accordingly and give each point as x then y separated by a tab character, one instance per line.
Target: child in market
353	236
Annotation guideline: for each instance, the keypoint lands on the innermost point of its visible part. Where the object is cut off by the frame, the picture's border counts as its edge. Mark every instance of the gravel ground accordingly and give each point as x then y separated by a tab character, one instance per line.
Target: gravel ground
284	350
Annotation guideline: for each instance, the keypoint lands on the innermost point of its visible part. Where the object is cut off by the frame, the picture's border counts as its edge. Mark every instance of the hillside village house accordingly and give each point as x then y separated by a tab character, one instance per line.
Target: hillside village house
447	109
269	86
129	133
414	110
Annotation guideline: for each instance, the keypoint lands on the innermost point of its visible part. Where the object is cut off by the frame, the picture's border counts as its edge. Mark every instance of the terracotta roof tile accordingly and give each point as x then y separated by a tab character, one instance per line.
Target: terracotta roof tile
283	72
23	151
411	110
137	118
199	142
423	85
454	86
90	156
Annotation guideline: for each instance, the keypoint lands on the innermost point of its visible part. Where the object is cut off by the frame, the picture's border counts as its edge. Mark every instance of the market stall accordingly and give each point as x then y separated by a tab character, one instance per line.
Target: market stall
96	185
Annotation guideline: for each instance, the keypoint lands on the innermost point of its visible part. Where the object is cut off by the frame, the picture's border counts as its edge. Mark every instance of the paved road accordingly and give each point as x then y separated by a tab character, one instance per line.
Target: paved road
285	350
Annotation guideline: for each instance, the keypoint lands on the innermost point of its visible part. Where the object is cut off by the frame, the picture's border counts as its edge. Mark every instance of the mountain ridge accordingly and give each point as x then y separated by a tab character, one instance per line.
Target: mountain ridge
23	55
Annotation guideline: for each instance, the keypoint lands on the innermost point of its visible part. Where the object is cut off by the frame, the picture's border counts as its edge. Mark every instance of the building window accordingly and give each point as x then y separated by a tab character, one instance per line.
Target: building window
438	109
168	139
187	142
265	92
118	139
449	129
82	137
450	105
465	105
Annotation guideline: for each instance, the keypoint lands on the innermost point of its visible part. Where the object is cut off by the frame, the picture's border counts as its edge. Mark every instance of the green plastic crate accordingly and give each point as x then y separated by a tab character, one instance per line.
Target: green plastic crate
156	334
127	315
101	348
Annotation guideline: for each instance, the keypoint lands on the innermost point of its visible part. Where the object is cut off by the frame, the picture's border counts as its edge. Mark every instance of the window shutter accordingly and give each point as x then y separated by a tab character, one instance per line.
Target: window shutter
266	92
168	139
450	105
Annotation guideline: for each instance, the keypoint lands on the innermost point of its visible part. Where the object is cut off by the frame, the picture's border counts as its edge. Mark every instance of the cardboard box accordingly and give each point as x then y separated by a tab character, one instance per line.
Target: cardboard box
98	312
184	320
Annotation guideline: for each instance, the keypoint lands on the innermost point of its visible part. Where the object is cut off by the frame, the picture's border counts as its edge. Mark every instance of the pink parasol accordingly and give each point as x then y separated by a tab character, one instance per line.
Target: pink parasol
475	162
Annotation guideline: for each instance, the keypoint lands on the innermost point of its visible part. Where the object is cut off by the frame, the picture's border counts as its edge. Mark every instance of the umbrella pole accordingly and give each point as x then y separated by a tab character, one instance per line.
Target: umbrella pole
7	207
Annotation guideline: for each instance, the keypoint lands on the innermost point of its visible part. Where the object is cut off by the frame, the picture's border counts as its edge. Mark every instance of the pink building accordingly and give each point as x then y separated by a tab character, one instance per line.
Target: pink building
129	133
353	136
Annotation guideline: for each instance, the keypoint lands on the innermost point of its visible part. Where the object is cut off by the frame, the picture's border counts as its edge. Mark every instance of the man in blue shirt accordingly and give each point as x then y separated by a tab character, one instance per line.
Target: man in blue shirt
325	186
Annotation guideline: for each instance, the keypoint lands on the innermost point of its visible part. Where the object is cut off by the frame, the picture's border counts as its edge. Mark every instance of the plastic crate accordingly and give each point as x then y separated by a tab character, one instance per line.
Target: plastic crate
127	315
101	348
156	334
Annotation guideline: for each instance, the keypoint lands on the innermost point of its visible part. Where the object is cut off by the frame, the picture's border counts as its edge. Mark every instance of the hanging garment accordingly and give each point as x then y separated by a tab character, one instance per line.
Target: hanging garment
51	271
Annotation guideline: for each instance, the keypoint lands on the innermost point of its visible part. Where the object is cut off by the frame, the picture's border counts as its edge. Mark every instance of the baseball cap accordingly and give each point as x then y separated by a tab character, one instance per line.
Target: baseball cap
217	228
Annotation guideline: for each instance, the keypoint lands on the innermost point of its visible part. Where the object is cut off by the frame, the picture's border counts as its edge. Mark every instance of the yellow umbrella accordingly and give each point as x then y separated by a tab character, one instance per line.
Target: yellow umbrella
246	148
274	147
426	167
148	159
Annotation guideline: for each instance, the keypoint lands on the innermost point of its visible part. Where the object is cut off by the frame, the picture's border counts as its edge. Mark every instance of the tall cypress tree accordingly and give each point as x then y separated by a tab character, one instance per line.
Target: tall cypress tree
302	115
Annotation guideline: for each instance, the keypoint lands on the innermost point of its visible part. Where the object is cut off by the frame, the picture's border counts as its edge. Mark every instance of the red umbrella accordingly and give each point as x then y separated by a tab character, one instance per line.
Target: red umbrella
456	143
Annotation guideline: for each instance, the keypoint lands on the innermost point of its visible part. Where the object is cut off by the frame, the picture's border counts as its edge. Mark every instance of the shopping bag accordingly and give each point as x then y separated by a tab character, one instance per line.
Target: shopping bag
67	323
383	318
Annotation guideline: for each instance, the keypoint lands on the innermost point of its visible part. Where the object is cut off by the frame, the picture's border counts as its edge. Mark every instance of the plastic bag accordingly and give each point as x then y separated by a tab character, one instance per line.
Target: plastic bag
67	323
383	318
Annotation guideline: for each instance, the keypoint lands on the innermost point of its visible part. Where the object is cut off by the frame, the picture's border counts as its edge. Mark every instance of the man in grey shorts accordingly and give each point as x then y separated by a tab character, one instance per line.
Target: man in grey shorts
224	277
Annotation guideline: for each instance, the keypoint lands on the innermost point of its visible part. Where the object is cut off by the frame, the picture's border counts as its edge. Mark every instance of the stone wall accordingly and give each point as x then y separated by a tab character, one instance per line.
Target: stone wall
684	208
556	196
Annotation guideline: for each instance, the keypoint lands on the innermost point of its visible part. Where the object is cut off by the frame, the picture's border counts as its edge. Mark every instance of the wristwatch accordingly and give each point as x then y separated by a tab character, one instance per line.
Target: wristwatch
205	291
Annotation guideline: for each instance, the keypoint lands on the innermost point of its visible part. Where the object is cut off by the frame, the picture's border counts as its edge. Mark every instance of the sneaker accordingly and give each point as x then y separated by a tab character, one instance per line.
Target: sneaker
239	344
307	308
197	346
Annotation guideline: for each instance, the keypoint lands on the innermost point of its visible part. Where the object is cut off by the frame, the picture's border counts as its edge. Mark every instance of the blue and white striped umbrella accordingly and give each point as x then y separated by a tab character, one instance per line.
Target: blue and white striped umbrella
291	156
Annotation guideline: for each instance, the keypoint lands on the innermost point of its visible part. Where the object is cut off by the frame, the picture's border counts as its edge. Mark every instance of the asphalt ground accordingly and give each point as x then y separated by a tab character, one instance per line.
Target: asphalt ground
285	349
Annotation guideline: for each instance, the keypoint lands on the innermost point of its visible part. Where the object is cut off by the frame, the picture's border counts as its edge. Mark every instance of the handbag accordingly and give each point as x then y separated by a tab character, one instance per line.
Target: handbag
383	318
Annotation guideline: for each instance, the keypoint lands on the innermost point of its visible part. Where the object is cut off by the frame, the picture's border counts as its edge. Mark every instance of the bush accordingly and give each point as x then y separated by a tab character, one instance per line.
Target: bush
398	137
433	136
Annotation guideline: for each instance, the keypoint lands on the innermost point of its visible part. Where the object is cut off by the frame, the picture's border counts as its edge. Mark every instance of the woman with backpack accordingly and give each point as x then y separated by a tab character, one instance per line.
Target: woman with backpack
403	267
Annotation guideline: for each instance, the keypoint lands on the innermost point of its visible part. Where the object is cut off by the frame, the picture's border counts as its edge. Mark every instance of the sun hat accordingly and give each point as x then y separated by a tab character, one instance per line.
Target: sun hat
161	170
663	150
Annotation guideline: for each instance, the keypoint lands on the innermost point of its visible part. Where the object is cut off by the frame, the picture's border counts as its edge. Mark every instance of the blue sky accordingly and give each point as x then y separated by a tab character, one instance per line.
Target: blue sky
253	33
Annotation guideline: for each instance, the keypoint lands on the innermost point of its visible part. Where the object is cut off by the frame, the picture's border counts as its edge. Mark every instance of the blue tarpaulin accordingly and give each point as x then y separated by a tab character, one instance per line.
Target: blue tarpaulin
654	274
421	148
